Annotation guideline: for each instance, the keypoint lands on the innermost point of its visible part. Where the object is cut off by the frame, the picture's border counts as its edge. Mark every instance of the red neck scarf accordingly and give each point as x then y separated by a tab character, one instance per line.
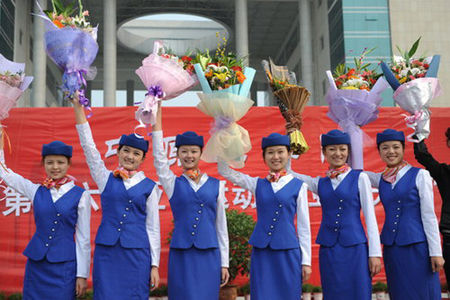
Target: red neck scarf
124	173
51	183
390	174
193	174
275	176
333	173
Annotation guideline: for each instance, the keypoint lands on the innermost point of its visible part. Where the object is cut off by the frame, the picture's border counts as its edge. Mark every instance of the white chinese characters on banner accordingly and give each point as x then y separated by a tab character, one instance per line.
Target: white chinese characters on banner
15	203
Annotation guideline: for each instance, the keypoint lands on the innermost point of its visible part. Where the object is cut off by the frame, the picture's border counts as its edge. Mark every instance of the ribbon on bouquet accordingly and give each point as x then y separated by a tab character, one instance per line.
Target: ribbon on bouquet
73	81
411	122
220	122
146	113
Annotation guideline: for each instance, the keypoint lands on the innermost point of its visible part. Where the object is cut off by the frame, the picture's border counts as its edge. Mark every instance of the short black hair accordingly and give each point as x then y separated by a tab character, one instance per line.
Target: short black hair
264	150
121	146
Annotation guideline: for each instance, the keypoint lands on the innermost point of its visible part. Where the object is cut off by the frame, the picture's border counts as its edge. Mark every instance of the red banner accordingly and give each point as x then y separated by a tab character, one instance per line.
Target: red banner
29	128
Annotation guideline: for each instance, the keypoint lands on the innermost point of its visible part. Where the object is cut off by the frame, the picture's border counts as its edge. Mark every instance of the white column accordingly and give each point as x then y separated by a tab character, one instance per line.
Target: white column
109	53
241	30
38	94
306	47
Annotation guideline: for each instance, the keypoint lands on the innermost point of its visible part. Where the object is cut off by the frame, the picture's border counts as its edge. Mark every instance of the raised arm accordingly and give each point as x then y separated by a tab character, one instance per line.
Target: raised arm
238	178
436	169
165	175
99	172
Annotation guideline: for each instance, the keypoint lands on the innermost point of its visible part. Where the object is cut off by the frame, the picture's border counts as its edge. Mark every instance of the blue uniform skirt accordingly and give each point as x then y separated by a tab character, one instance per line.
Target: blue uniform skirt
275	274
49	281
409	274
194	274
344	272
121	273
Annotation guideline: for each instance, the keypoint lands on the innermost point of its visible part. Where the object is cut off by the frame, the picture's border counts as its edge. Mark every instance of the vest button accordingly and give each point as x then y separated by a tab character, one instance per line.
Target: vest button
271	226
335	229
193	233
274	219
341	200
396	216
53	229
202	204
120	222
50	237
395	223
398	208
269	233
393	230
124	215
58	214
118	229
196	219
56	222
281	205
199	211
338	215
337	222
340	207
126	208
195	225
129	201
276	212
46	244
399	201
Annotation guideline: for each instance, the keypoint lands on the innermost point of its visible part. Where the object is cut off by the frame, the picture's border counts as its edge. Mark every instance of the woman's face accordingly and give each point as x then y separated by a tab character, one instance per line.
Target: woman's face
391	152
276	158
56	166
130	158
336	155
189	156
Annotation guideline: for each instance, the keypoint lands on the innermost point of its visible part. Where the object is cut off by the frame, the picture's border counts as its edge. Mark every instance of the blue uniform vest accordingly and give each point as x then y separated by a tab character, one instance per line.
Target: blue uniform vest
276	211
341	208
194	214
55	226
124	213
403	222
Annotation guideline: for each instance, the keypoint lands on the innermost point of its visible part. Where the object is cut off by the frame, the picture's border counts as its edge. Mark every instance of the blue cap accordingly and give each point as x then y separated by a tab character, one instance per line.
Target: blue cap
57	148
189	138
134	141
335	137
275	139
390	135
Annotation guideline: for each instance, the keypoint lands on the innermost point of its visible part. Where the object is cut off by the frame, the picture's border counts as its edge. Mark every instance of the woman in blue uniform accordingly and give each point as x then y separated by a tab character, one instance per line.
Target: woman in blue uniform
410	235
198	256
57	265
127	245
281	256
346	262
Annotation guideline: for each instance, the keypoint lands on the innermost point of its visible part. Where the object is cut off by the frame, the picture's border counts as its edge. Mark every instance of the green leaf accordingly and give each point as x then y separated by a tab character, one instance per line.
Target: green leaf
399	50
414	47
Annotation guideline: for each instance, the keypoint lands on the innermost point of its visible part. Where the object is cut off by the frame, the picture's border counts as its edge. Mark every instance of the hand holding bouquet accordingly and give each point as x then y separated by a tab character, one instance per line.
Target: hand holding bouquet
354	96
414	80
291	100
71	42
165	76
226	84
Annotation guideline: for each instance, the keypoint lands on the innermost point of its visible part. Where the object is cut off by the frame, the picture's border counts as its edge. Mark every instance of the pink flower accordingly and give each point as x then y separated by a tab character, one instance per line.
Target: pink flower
86	13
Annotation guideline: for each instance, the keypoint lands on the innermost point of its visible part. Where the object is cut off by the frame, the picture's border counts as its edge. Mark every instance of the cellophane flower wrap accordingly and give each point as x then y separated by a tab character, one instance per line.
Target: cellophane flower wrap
226	86
415	85
71	42
13	83
354	97
291	99
165	76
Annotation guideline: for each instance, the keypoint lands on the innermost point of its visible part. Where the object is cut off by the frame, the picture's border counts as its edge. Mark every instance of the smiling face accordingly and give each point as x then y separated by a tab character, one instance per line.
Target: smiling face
276	157
189	156
391	152
130	158
336	155
56	166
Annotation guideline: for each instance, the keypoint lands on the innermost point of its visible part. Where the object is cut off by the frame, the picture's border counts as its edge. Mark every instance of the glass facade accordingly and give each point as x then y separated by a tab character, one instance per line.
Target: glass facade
7	28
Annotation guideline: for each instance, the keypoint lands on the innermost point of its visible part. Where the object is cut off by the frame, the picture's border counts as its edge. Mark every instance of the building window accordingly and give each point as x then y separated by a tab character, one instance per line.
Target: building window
7	28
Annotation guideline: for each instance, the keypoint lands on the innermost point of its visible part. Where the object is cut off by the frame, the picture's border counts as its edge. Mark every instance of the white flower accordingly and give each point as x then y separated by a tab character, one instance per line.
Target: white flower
414	71
398	59
404	72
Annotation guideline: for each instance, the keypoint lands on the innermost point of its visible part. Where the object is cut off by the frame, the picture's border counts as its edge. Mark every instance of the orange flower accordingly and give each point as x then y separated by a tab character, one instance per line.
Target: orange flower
58	23
209	73
240	76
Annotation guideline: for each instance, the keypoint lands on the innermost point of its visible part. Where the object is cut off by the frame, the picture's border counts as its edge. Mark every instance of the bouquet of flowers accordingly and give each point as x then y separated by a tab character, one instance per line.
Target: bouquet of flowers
13	83
415	83
291	100
226	84
71	42
354	96
165	76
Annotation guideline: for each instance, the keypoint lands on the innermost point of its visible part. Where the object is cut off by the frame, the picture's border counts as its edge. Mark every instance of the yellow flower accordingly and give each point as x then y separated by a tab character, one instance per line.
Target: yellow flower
403	80
221	76
348	88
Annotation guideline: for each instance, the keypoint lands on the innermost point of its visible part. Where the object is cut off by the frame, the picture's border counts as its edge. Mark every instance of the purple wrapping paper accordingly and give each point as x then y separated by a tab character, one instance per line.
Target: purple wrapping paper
351	109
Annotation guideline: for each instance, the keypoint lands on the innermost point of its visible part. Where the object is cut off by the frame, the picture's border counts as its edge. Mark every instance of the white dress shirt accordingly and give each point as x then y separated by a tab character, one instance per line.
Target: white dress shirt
303	226
101	174
167	179
424	185
82	228
366	199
